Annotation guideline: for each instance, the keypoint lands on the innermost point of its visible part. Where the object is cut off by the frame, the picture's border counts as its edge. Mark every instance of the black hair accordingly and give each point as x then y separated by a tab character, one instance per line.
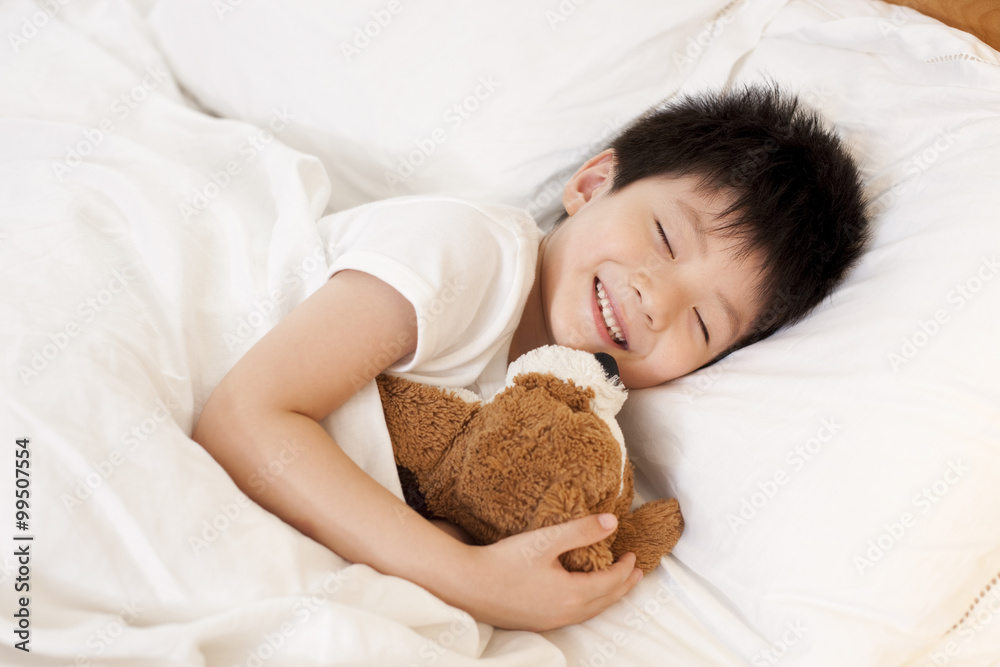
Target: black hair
796	190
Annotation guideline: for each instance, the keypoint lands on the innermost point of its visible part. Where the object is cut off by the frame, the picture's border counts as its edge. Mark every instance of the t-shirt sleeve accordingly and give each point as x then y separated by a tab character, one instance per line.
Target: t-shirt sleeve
465	268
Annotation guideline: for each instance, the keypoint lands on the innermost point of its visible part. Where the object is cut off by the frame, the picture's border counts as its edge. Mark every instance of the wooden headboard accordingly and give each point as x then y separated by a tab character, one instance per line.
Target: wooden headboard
978	17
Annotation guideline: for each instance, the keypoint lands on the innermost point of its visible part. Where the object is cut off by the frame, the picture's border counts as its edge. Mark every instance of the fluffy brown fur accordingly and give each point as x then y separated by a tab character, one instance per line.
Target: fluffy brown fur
536	455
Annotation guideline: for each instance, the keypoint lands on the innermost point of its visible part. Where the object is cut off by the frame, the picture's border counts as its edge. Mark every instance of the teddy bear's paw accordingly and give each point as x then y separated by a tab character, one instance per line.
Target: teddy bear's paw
650	532
589	558
562	502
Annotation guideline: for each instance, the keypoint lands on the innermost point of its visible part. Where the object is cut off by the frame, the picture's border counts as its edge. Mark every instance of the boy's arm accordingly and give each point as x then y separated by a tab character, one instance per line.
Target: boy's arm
308	366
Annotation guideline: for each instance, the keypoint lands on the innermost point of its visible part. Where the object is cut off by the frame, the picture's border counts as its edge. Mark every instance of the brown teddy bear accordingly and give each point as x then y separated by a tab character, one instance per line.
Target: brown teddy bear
544	450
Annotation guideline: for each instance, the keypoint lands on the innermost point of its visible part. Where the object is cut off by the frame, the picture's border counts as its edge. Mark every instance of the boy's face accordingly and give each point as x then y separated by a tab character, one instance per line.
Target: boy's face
638	274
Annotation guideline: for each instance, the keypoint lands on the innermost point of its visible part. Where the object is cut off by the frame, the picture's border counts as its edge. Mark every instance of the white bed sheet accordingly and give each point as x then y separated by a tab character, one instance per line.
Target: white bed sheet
121	309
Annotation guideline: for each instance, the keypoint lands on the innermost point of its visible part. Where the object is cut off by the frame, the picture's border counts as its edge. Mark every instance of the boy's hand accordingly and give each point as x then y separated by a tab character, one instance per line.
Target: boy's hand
519	583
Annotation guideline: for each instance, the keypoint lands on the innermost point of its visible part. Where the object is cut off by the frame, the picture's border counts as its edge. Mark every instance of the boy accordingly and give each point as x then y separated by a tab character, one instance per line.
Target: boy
704	227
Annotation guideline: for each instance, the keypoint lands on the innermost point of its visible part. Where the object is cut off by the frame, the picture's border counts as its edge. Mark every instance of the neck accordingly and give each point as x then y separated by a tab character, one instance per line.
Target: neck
531	331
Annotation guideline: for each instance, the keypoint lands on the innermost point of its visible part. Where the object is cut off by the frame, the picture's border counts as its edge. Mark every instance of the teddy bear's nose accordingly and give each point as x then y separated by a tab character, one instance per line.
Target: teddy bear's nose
609	364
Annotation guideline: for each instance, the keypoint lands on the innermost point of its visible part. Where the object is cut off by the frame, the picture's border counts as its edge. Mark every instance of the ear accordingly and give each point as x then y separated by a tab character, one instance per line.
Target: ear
590	179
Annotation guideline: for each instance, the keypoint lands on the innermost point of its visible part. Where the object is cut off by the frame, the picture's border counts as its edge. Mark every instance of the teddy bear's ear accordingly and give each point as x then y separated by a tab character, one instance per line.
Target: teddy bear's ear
650	532
570	394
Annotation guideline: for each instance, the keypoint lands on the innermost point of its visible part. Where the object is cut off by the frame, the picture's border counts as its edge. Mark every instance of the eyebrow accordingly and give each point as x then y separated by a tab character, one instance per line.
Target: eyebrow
694	219
735	321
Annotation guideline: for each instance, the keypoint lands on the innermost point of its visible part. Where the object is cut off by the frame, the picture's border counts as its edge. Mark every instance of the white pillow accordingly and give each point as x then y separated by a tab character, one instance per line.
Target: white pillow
839	480
488	101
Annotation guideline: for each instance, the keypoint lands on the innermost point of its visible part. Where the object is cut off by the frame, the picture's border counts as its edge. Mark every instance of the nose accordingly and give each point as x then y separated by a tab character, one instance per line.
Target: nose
658	305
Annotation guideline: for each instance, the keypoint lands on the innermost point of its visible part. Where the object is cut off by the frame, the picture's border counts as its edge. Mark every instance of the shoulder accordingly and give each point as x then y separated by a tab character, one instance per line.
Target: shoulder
456	219
433	237
466	269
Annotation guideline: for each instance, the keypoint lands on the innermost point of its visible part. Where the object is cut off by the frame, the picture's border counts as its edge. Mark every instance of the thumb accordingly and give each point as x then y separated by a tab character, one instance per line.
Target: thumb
559	538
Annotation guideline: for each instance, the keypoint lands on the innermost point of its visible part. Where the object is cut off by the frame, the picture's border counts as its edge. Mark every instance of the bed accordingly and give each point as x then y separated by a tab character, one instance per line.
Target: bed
164	167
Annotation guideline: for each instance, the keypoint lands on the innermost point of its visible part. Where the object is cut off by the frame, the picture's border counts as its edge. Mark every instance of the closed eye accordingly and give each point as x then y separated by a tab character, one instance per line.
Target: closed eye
663	235
701	322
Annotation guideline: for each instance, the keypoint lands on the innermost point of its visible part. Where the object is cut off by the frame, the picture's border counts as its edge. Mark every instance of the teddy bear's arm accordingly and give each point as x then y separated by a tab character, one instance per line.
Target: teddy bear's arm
421	420
650	532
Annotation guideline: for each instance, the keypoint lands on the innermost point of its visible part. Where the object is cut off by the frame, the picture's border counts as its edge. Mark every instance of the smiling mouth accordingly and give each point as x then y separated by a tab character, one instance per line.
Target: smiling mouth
610	321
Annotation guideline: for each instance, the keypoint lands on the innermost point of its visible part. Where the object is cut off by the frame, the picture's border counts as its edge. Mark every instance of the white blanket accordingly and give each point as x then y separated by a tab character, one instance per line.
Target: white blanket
145	246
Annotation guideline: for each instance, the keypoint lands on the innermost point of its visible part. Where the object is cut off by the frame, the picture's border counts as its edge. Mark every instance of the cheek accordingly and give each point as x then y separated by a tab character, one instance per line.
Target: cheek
570	334
668	363
646	374
568	323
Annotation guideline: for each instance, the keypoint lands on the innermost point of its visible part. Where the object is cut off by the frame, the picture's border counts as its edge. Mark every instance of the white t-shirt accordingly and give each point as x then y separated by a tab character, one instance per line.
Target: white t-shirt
466	268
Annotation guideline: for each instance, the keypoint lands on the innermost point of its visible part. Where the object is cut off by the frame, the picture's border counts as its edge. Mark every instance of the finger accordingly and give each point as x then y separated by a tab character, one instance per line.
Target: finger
600	589
605	587
621	575
633	575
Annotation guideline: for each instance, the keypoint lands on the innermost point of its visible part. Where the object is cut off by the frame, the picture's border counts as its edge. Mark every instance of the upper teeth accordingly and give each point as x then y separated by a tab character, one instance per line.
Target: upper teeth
609	315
